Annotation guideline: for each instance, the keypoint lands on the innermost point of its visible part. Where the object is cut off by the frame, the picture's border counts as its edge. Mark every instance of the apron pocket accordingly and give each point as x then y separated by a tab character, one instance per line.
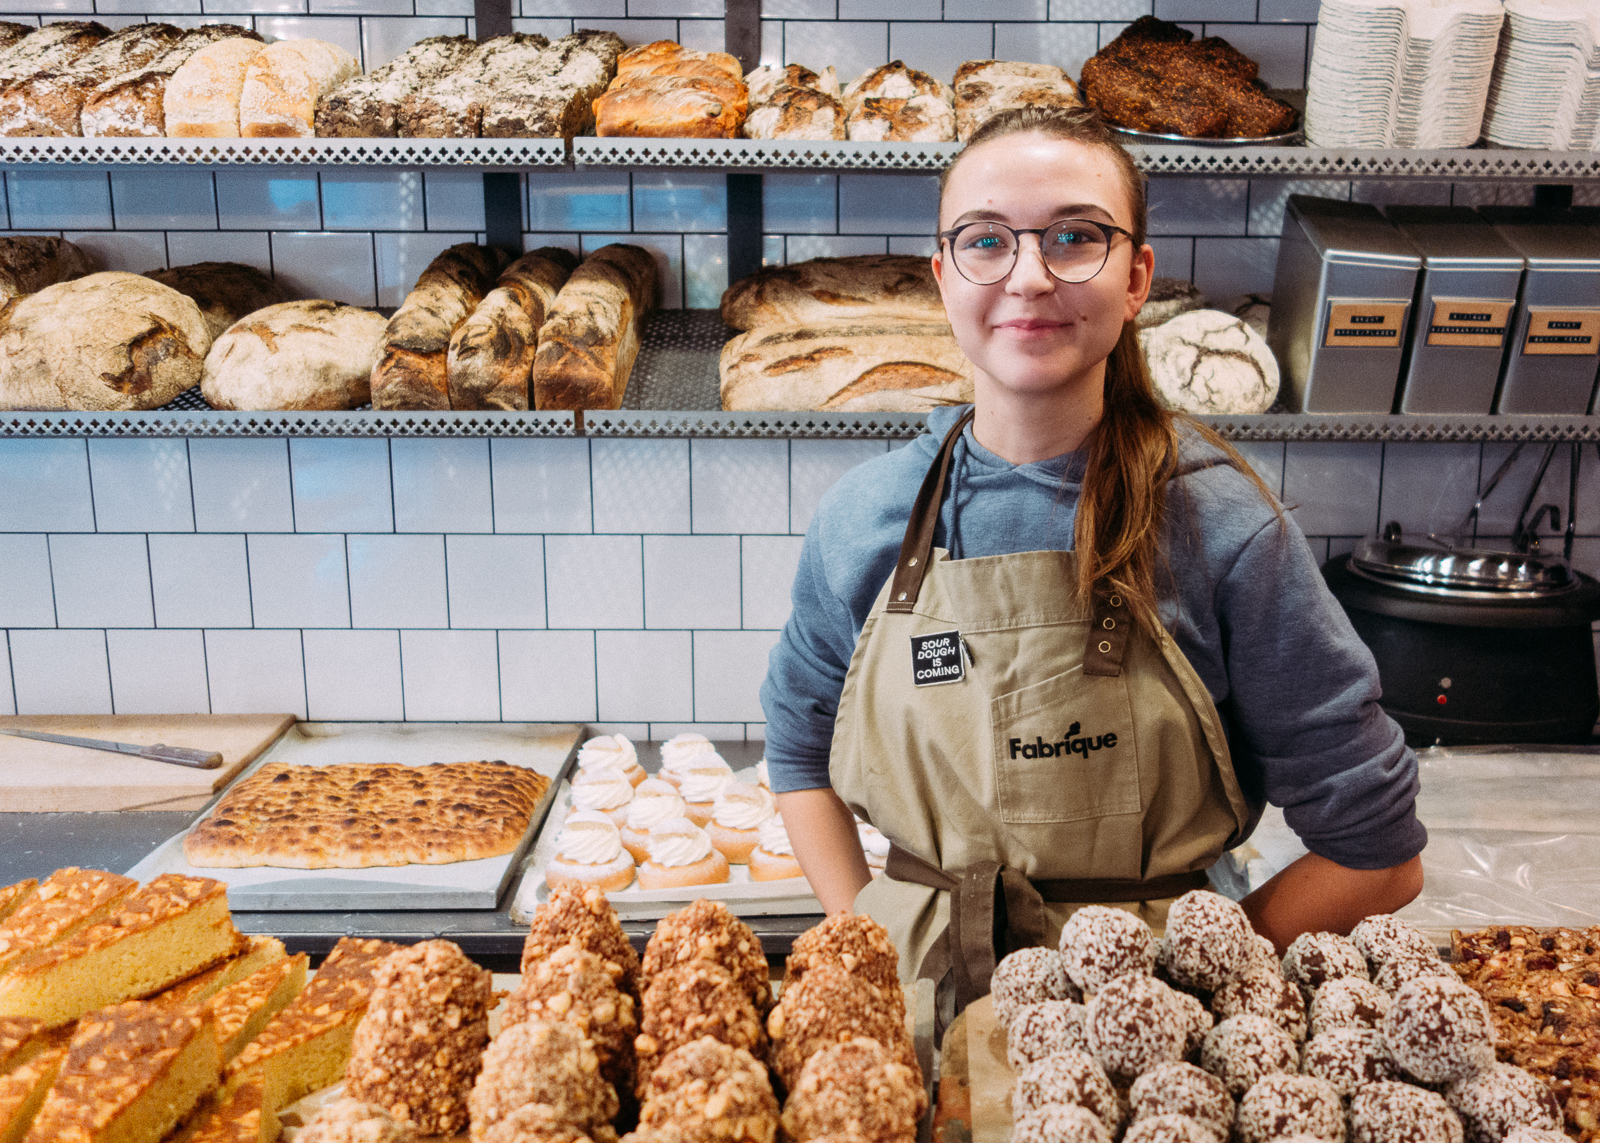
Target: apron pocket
1064	750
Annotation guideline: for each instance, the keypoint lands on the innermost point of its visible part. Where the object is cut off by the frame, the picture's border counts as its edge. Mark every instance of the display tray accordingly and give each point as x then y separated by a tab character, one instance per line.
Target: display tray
1295	98
547	749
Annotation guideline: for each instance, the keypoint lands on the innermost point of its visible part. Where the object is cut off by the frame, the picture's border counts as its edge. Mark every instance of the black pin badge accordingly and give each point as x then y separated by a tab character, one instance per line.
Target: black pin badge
937	659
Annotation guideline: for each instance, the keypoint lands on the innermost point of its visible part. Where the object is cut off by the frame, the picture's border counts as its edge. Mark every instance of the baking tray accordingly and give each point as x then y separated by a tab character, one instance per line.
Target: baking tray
547	749
1294	97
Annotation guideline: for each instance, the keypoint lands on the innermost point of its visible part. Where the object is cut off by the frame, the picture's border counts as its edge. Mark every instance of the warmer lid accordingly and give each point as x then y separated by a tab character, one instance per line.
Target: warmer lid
1464	573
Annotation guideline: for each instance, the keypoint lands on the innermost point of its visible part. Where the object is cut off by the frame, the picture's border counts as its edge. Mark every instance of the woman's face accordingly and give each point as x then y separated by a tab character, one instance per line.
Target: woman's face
1030	332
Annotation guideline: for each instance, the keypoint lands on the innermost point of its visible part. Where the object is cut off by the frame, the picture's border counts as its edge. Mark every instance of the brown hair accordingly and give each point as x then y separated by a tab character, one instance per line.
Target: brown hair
1133	451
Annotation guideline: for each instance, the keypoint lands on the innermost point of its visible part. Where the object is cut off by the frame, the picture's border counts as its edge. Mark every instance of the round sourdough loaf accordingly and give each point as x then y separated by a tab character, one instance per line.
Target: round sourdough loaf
295	355
108	341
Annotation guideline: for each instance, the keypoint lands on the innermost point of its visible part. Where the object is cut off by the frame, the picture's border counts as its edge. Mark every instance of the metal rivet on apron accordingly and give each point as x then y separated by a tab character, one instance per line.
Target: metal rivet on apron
913	562
1116	601
902	595
1105	648
1109	623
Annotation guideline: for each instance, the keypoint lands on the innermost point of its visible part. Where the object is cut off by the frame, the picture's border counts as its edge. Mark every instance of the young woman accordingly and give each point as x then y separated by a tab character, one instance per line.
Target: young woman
1062	649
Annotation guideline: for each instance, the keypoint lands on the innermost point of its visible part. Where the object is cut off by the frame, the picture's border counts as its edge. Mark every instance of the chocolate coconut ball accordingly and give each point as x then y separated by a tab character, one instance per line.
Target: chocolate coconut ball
1263	955
1283	1104
1261	994
1046	1029
1499	1098
1348	1058
1383	936
1400	970
1535	1135
1135	1023
1059	1123
1313	959
1348	1002
1209	940
1400	1113
1102	943
1243	1049
1071	1077
1439	1030
1170	1129
1026	977
1197	1021
1182	1090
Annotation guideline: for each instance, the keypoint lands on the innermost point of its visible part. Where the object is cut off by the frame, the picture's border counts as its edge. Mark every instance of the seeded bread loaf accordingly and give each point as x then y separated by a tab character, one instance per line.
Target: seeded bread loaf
295	355
224	291
559	101
491	353
108	341
411	372
52	46
284	84
591	336
202	97
131	105
452	107
30	262
868	287
50	103
865	367
368	106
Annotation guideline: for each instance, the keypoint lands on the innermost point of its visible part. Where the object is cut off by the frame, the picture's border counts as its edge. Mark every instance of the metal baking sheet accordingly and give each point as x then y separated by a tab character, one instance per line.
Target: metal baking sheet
545	748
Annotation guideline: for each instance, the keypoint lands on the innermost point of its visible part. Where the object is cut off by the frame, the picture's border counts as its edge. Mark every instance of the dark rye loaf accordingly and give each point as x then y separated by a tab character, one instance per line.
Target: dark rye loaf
411	372
132	105
52	46
368	107
452	107
558	102
30	262
224	291
49	103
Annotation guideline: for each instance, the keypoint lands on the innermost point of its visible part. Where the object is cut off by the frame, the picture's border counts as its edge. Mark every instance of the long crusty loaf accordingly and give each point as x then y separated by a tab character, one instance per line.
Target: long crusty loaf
30	262
491	353
224	291
50	102
559	101
452	107
412	369
295	355
368	106
202	97
592	332
52	46
864	287
867	367
131	105
284	84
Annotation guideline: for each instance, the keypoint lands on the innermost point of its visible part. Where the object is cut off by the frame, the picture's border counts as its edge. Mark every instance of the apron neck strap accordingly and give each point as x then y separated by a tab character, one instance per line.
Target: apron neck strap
917	546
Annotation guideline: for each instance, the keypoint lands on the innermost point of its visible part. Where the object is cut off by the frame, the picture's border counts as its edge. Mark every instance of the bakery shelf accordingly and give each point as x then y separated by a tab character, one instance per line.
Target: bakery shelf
191	422
288	152
762	154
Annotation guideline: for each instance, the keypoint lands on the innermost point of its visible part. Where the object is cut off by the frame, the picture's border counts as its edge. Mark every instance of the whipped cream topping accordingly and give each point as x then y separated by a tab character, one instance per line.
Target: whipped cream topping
763	777
608	752
705	781
650	807
678	841
588	838
739	806
601	790
775	837
683	750
873	843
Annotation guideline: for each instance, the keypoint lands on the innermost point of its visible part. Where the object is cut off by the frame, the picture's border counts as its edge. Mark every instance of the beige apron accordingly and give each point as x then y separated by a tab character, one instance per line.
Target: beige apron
1016	752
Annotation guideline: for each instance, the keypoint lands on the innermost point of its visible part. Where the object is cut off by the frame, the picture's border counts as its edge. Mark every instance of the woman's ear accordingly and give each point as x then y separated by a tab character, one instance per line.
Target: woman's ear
1140	275
938	265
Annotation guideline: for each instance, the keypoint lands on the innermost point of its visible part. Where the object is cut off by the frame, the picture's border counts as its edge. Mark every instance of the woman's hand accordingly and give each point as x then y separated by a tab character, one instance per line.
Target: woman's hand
1314	894
822	831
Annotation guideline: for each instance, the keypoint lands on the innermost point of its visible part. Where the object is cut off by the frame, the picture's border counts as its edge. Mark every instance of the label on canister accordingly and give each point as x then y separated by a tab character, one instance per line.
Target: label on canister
1564	332
1473	322
1365	325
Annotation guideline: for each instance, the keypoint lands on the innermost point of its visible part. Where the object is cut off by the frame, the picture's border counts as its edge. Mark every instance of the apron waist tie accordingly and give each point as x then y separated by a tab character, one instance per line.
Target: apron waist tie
995	911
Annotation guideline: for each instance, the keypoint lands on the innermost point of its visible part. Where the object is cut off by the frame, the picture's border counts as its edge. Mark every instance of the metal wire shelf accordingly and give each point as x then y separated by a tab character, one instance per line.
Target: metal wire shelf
515	153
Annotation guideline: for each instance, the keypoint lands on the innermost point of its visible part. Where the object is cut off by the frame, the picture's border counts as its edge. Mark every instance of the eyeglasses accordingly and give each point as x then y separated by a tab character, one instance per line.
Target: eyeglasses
1074	249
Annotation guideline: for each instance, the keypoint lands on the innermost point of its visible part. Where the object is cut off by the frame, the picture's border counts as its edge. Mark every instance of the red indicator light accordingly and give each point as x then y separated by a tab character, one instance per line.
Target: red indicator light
1443	700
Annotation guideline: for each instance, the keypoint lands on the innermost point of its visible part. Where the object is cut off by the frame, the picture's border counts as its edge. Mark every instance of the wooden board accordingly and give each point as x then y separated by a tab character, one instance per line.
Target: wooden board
46	777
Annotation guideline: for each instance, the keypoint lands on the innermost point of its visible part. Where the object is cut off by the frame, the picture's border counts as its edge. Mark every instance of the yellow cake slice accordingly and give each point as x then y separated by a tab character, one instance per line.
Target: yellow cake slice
132	1072
12	896
202	986
22	1092
243	1009
305	1046
237	1117
70	899
172	928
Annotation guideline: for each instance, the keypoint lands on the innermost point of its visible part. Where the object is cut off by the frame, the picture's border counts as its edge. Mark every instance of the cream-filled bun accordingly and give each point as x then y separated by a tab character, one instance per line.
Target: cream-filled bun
589	853
612	752
602	791
736	817
700	785
773	859
682	751
874	846
681	854
653	803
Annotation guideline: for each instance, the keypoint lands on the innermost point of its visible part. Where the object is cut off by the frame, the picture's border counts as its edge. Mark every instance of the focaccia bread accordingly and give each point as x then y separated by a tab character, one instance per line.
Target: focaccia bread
52	46
30	262
589	341
295	355
107	341
224	291
865	367
765	81
984	88
491	354
920	119
672	107
202	97
368	106
559	102
797	113
452	107
893	80
51	102
132	105
412	368
864	287
358	815
667	57
284	84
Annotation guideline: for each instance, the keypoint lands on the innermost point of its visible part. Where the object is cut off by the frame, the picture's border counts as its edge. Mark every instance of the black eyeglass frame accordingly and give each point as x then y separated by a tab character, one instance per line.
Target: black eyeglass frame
1016	249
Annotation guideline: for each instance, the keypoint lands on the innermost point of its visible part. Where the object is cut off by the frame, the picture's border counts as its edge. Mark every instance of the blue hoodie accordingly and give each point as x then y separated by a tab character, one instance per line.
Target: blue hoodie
1297	689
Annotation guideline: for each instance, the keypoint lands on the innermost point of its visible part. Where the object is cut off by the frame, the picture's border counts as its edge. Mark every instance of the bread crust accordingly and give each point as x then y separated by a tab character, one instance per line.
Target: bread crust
133	105
709	870
284	84
559	102
201	100
591	336
612	877
30	262
412	368
797	113
52	46
766	866
224	291
295	355
368	106
667	57
984	88
846	367
675	107
864	287
491	354
50	103
452	107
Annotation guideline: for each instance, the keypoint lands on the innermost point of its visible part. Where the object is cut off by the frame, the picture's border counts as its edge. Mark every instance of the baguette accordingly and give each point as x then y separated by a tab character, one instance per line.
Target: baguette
559	102
202	97
452	106
224	291
491	353
673	107
591	337
284	84
368	106
51	102
864	367
52	46
868	287
30	262
295	355
411	372
131	105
